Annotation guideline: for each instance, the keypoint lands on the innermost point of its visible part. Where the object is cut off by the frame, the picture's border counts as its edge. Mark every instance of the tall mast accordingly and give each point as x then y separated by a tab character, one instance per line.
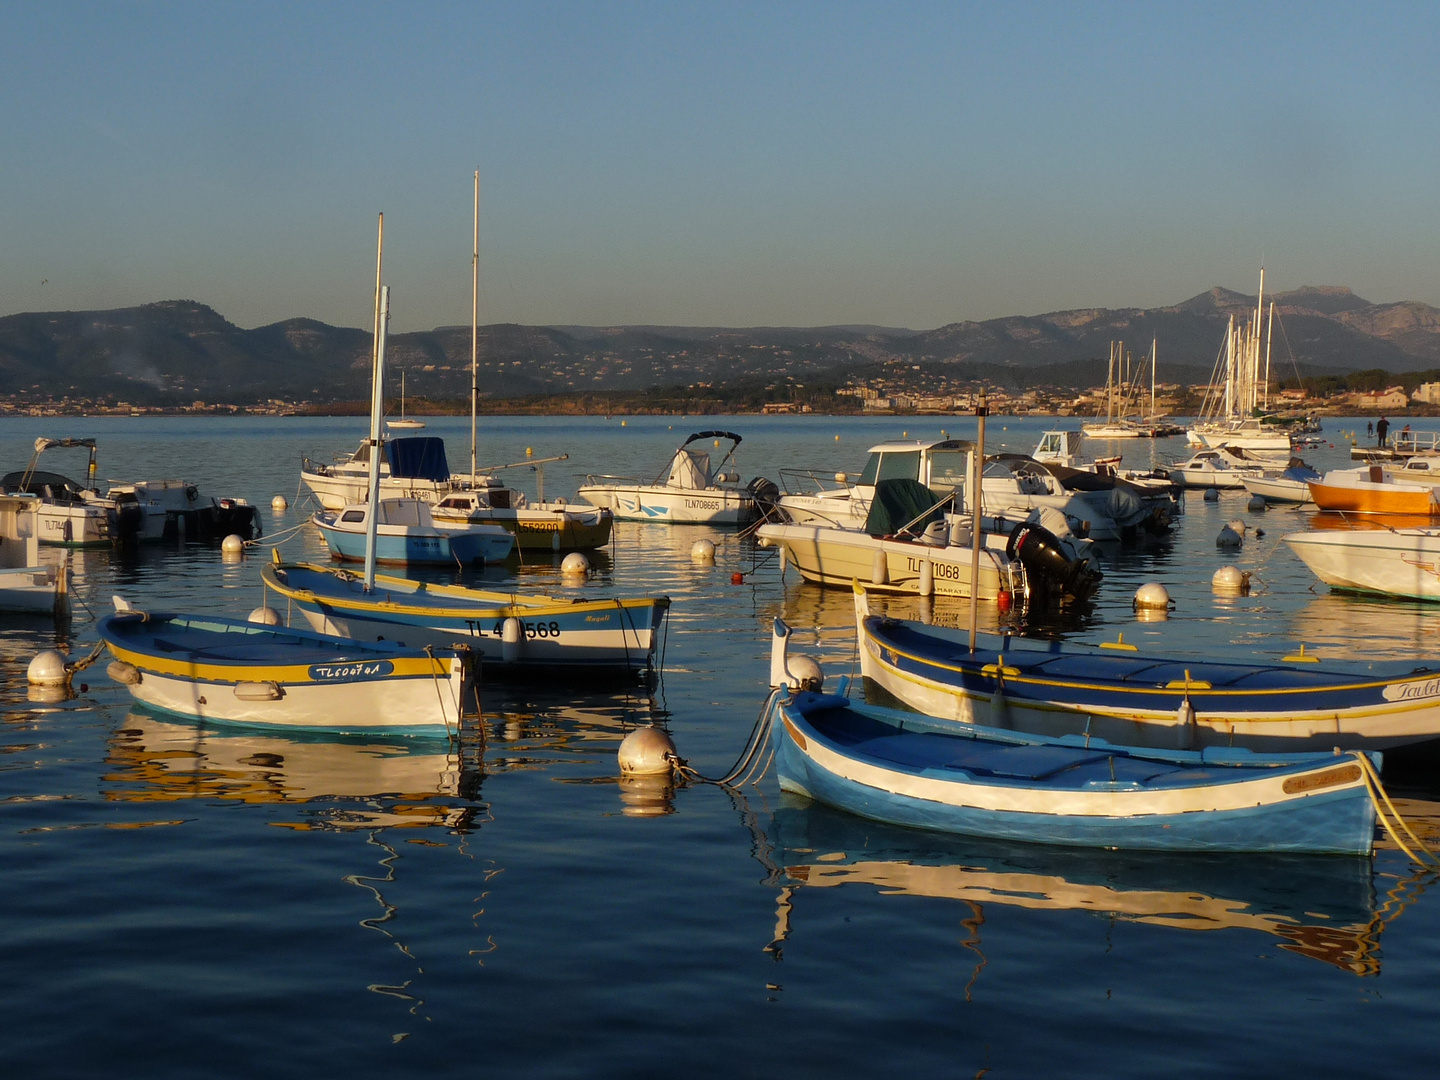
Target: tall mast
377	408
1269	341
1153	342
474	328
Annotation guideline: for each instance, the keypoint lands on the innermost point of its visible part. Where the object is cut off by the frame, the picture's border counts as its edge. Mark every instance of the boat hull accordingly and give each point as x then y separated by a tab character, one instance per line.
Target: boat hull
1277	489
229	671
602	636
895	767
1363	497
840	557
1127	698
1394	562
398	545
542	530
678	506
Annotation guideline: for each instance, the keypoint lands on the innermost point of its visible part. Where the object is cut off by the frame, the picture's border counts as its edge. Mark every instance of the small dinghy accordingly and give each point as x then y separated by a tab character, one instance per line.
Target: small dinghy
909	769
210	668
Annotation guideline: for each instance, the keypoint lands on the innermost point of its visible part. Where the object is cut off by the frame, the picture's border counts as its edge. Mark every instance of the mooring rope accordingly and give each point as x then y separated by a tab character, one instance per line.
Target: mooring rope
746	769
1379	795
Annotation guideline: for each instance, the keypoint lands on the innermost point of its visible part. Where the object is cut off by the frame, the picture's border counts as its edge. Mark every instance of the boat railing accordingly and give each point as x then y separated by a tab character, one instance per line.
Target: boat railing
610	478
812	482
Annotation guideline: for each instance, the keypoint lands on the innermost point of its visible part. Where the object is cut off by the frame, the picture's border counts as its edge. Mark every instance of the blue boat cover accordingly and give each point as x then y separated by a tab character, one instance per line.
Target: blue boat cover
418	458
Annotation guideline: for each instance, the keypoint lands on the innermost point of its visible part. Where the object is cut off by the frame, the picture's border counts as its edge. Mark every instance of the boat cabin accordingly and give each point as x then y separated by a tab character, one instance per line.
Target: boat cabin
940	466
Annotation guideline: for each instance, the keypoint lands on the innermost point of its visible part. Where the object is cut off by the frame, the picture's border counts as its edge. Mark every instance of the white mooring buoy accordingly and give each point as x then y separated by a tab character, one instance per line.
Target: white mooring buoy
1230	579
48	668
702	551
1152	602
575	565
279	504
646	751
265	616
232	545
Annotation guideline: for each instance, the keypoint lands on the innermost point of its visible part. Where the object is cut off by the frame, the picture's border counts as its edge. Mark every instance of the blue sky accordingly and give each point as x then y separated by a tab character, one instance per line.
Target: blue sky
713	164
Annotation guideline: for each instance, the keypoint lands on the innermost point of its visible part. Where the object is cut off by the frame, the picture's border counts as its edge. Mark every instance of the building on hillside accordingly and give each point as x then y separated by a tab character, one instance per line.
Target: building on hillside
1427	393
1389	400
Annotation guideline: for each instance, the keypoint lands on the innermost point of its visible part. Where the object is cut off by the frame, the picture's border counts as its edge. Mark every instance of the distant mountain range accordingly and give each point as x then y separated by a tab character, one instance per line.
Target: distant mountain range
179	351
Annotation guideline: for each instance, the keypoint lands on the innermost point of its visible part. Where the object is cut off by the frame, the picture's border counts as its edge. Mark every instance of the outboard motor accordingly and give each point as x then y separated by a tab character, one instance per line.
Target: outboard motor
763	491
1047	562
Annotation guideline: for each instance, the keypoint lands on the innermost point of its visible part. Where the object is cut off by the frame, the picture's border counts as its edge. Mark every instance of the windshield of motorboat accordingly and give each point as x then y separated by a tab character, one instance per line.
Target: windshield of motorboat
947	469
891	465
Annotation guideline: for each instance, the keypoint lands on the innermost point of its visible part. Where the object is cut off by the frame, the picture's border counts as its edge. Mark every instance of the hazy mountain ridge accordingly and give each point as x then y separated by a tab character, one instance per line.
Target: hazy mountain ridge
177	351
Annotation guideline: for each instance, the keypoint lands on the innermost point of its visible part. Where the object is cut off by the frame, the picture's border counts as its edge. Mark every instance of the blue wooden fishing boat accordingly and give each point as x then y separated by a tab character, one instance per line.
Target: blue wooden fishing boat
1114	691
209	668
515	631
908	769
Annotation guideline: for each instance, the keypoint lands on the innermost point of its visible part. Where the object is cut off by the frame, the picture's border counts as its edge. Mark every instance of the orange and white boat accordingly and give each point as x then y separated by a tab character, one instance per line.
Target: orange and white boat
1374	490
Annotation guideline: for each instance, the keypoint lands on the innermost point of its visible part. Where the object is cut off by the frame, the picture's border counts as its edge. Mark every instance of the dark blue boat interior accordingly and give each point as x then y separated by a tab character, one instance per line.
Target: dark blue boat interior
1125	668
232	641
890	743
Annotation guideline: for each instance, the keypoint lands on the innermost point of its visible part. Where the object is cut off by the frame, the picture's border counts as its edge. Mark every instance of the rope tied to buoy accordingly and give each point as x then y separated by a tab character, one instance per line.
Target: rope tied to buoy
747	768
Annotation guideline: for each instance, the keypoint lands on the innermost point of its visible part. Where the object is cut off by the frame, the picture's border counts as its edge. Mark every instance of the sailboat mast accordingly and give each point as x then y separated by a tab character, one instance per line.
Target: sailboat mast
1153	342
377	409
1269	341
474	328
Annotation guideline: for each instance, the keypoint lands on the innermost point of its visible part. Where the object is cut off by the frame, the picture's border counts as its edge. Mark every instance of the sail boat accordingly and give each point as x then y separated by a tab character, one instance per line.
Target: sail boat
403	424
1232	413
1115	425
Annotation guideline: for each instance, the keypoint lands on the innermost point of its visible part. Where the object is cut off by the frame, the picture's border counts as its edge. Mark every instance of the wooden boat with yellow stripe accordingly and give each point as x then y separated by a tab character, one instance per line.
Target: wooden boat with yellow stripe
1115	692
210	668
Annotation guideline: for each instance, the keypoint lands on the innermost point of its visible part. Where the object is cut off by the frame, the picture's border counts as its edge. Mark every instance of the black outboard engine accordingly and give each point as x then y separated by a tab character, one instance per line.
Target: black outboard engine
764	492
1051	571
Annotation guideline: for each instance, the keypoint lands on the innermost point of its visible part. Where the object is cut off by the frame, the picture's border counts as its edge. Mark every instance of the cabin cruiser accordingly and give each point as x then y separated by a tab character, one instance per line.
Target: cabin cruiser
417	468
1222	467
689	490
1095	505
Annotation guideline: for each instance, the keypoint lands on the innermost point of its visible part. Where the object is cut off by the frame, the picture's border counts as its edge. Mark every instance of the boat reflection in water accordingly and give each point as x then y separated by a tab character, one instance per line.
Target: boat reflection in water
423	782
1322	907
1352	627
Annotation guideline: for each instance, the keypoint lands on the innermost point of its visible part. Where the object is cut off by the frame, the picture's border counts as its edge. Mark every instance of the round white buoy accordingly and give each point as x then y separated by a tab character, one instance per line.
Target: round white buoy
279	504
702	551
805	672
232	545
1230	579
575	565
646	751
511	635
1256	503
623	423
1212	494
1152	595
48	669
265	616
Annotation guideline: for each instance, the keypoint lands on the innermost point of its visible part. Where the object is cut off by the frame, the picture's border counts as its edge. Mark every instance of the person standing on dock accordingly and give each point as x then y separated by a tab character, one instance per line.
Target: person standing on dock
1381	430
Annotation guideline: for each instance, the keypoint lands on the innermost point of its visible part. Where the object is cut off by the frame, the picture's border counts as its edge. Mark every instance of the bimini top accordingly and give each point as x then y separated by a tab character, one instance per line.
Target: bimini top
418	458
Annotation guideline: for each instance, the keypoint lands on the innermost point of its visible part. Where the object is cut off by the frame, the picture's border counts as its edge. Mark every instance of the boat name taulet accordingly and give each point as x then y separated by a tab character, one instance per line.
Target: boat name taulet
1412	690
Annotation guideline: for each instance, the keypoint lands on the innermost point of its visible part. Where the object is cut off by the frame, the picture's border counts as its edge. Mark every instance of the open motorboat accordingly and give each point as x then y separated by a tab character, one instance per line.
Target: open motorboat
516	632
1393	562
1116	692
1374	489
72	515
910	544
1290	485
689	490
910	769
407	535
214	669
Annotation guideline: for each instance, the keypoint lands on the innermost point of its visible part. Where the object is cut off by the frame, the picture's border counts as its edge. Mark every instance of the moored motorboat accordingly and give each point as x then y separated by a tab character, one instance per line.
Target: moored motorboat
1114	691
1395	562
1220	467
910	769
28	586
1290	485
689	490
514	631
1373	489
215	669
407	535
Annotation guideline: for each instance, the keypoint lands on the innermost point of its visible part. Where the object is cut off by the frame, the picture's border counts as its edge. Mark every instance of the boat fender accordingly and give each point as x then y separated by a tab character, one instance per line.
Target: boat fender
927	579
512	635
879	569
1185	717
121	672
259	691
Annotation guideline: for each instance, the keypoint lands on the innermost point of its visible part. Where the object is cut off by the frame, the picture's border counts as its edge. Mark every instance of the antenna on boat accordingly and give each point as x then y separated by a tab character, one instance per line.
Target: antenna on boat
981	409
377	407
474	327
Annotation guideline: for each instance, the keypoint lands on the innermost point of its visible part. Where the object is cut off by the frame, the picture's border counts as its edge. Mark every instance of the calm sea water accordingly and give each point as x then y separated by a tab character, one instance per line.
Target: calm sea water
185	902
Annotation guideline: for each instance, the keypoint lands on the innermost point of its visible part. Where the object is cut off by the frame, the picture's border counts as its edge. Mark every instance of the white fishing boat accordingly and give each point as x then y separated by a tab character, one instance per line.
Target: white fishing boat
1290	485
689	490
1393	562
68	514
1221	467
